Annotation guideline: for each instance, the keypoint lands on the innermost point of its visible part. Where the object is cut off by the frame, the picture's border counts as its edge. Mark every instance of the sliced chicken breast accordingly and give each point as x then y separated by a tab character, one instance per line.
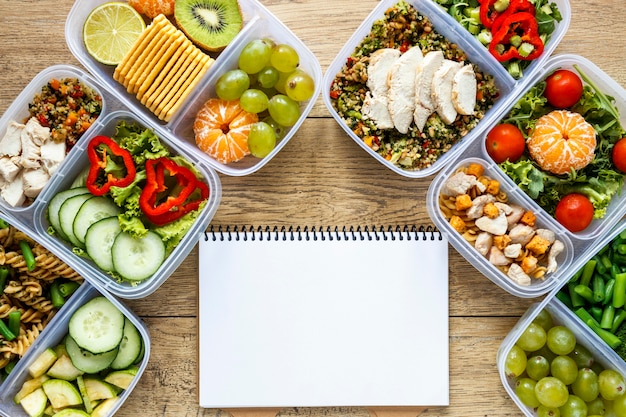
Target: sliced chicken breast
424	105
402	88
377	110
375	105
442	90
464	90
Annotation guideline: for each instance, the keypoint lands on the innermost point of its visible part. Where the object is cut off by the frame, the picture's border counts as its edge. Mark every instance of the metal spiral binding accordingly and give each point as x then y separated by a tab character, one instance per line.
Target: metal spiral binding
306	233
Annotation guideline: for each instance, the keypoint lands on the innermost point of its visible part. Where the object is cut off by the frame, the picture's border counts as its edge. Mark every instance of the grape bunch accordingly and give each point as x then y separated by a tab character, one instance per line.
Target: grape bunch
558	377
267	82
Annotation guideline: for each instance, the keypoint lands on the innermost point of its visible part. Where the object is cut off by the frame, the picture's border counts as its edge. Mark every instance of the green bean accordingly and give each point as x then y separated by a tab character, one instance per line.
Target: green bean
600	267
608	314
27	253
619	292
577	300
584	315
585	292
606	261
14	322
565	299
4	274
9	368
55	295
67	288
615	269
620	315
610	339
6	332
598	289
608	291
596	313
621	249
588	271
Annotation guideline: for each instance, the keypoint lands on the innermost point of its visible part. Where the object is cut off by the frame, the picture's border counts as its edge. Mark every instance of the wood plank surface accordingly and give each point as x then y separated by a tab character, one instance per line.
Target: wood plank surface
320	178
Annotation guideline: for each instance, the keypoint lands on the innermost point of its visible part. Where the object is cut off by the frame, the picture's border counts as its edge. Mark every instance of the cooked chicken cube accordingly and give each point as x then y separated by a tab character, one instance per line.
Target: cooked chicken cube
34	181
517	274
513	251
515	215
478	205
11	143
501	242
8	169
460	183
497	258
495	226
483	243
548	235
33	136
555	250
521	233
12	191
52	154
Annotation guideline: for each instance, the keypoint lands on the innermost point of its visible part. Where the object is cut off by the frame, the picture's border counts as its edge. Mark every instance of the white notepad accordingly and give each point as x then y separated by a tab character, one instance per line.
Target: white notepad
304	318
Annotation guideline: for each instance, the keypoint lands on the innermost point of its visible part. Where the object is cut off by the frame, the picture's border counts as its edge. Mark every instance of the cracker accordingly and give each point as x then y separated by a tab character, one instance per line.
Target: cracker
152	56
162	65
138	47
176	92
190	87
177	79
167	75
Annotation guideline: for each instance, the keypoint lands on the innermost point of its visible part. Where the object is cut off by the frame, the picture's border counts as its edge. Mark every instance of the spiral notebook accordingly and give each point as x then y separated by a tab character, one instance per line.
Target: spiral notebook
303	317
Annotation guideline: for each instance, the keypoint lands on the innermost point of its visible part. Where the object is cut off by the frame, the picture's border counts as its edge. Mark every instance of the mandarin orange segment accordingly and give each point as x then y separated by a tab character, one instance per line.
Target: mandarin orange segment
562	141
152	8
221	129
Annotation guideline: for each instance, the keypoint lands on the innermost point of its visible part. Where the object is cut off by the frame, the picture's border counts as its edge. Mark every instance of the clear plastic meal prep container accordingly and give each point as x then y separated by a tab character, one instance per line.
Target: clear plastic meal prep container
258	23
33	219
476	53
53	335
561	314
576	243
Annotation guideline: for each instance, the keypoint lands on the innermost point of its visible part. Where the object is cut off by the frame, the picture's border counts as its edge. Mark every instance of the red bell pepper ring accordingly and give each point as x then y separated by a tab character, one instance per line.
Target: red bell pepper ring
517	37
516	6
489	12
174	206
99	149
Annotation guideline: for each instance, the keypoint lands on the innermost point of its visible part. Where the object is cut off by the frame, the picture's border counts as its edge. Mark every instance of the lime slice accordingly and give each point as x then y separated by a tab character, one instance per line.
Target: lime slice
110	31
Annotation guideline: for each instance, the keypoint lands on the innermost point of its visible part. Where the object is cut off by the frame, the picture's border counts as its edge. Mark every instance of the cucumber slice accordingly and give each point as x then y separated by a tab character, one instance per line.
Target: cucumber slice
97	326
122	378
90	212
136	259
67	214
61	393
99	240
55	206
86	361
130	346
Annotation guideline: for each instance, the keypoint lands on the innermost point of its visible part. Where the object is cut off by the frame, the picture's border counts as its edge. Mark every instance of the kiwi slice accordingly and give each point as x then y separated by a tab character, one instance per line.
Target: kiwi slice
210	24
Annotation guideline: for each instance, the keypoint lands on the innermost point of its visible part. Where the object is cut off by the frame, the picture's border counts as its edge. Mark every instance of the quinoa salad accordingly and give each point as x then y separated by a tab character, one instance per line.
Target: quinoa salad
403	27
66	106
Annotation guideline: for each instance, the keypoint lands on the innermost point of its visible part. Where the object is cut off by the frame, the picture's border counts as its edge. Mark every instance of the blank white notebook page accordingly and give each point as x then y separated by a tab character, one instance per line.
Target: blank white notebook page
307	323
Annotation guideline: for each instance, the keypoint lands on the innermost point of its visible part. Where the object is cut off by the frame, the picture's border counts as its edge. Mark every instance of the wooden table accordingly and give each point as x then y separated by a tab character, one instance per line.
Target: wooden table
320	178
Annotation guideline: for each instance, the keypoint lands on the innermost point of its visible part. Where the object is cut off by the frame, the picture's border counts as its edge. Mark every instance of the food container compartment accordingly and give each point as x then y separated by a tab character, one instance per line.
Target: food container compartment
537	287
617	208
476	54
538	63
257	21
265	26
18	111
79	162
53	335
601	353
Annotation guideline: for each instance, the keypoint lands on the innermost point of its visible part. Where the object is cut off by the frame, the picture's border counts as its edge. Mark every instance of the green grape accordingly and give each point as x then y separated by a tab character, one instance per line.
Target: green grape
582	356
525	390
268	77
284	58
586	385
596	407
561	340
255	55
261	139
515	362
278	129
551	392
537	367
574	407
618	406
232	84
543	411
281	84
254	101
544	319
300	85
284	110
532	338
545	352
611	384
564	368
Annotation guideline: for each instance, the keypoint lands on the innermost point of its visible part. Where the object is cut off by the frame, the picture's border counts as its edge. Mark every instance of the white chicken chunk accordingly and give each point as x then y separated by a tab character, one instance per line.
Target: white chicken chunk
376	104
11	143
483	243
424	105
517	275
496	226
464	90
12	192
497	258
521	233
460	183
377	110
546	234
555	250
8	169
33	136
52	154
513	251
478	204
34	181
402	88
442	90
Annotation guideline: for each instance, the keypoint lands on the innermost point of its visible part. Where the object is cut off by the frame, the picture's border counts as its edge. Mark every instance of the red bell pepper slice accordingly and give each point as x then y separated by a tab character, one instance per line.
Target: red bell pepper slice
516	6
99	150
517	37
161	209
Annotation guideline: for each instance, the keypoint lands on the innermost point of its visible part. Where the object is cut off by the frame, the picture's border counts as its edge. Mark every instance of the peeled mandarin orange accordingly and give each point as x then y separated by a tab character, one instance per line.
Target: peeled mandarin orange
222	128
562	141
153	8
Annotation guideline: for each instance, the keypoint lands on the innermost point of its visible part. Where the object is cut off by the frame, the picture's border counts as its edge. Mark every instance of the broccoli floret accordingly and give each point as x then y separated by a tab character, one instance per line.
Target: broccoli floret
621	333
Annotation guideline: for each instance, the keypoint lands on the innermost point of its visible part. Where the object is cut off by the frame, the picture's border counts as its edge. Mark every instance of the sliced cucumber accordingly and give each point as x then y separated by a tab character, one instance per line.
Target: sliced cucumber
136	259
130	346
86	361
67	214
55	206
99	240
90	212
122	378
97	326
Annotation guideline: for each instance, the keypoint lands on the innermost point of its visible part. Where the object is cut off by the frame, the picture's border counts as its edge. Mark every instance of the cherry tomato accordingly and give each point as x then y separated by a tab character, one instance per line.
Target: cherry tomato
574	212
505	141
619	155
563	88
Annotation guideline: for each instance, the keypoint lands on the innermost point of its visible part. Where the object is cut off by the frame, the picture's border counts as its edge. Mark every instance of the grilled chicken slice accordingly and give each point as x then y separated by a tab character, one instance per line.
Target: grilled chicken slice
402	88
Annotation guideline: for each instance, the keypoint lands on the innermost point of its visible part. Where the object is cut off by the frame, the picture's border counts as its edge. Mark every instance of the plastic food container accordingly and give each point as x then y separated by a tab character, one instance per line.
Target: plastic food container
561	314
258	23
578	242
52	335
476	53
